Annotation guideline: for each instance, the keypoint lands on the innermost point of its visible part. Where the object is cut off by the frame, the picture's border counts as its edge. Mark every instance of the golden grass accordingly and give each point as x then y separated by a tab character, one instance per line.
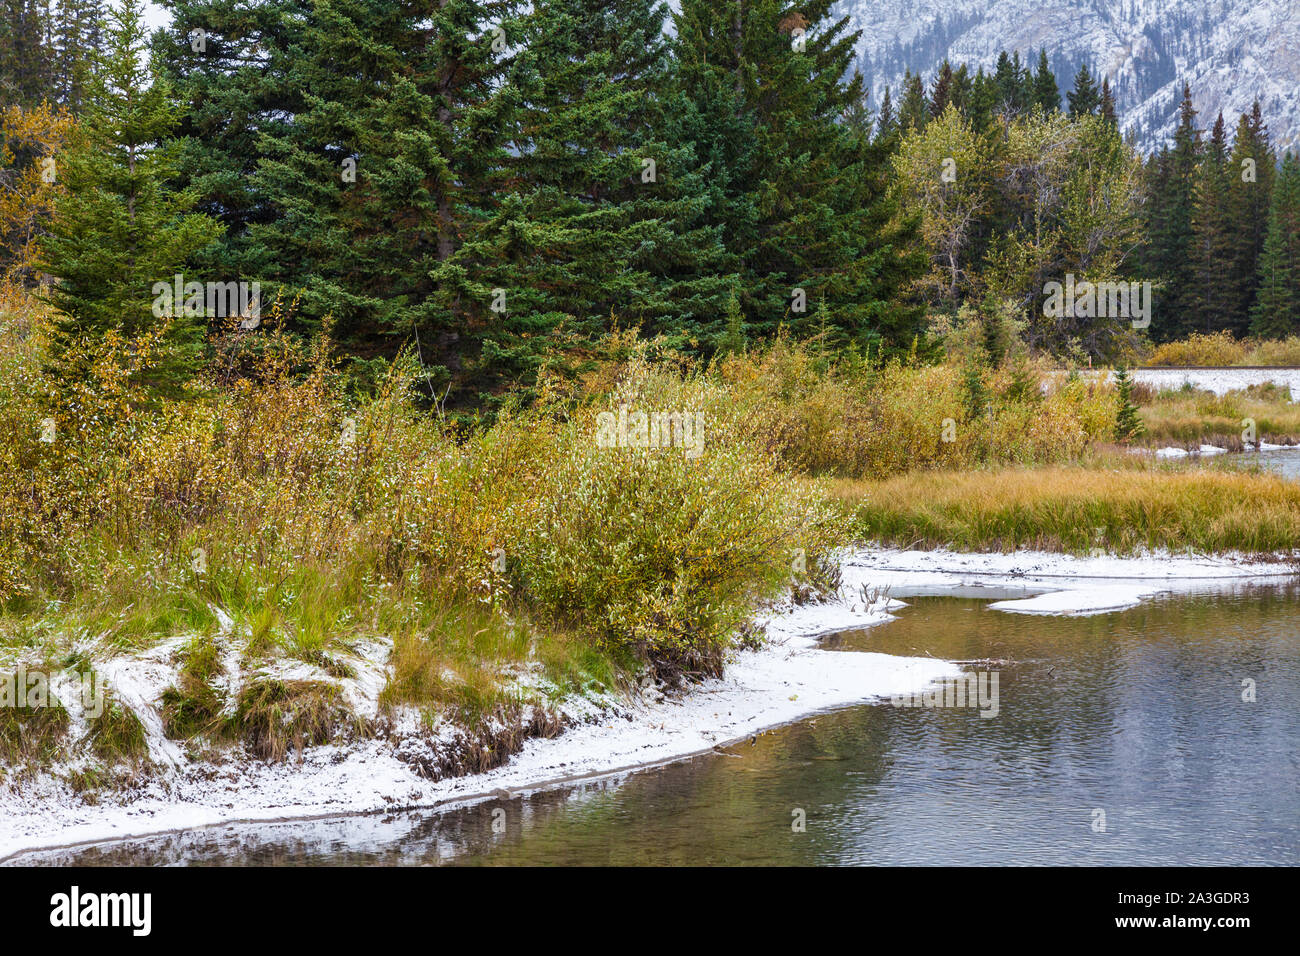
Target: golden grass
1076	509
1191	416
1220	348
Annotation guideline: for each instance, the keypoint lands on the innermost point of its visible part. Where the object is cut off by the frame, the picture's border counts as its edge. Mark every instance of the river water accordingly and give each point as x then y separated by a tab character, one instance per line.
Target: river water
1120	738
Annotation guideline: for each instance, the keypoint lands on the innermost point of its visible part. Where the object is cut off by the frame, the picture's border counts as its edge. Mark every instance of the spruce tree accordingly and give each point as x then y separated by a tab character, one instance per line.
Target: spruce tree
1168	253
1107	106
914	111
1084	98
27	67
1128	423
1047	95
380	189
828	224
983	100
886	122
962	87
1008	81
1250	173
77	32
941	93
118	229
1277	307
241	72
1213	296
601	216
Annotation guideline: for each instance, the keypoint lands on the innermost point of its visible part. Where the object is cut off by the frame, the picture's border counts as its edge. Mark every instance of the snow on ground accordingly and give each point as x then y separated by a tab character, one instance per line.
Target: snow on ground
1079	601
1042	582
788	679
1218	380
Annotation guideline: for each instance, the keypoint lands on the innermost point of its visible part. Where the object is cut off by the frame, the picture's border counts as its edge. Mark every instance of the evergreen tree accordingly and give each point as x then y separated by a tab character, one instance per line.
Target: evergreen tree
1168	256
26	60
857	114
241	71
601	215
886	122
1107	106
1250	173
1046	94
914	111
381	189
941	94
1128	424
1084	98
827	222
118	229
962	86
77	33
983	100
1277	307
1009	82
1213	297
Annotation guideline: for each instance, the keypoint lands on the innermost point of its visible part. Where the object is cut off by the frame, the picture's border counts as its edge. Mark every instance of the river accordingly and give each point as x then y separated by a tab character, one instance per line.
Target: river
1122	738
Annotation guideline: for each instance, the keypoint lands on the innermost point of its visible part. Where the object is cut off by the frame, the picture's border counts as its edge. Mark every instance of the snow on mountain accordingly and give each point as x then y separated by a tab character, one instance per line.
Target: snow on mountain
1231	52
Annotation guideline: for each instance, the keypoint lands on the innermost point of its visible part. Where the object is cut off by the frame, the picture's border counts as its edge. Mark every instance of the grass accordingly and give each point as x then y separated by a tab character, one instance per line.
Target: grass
1191	416
275	717
194	704
117	735
506	566
33	736
1221	348
1077	509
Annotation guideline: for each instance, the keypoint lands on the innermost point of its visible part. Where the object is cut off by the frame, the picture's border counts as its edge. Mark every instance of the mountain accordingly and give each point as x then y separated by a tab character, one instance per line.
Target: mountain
1231	52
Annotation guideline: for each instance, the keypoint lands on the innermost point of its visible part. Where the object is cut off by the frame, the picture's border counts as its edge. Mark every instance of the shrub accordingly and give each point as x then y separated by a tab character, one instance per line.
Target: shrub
1219	348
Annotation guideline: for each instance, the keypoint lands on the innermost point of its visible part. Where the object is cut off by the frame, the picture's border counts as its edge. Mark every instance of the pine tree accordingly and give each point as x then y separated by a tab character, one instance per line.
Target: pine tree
118	228
1107	106
1168	254
1084	98
601	216
1128	424
827	222
1213	296
1046	93
913	112
1251	169
1277	307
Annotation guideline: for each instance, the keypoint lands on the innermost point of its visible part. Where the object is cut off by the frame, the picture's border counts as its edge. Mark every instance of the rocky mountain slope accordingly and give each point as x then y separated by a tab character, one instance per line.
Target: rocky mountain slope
1231	52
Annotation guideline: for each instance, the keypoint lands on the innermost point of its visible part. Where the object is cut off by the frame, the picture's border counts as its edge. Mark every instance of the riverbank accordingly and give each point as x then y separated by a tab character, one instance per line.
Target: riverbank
788	678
